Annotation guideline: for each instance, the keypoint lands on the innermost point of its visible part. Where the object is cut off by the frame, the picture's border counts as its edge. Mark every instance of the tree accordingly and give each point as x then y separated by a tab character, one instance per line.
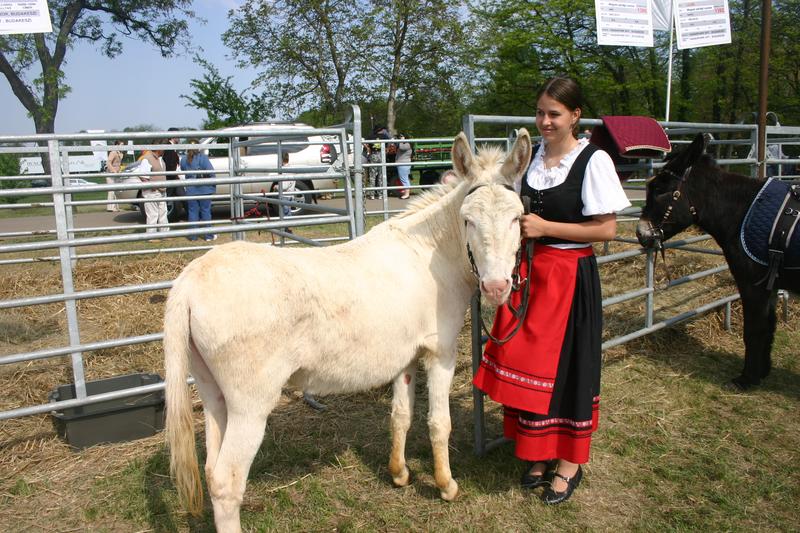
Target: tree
9	166
785	66
32	63
530	41
416	51
720	83
321	55
223	104
306	49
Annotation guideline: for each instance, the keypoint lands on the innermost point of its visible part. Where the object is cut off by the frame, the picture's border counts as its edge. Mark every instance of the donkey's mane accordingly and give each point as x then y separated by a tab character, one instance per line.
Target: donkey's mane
712	171
429	197
730	186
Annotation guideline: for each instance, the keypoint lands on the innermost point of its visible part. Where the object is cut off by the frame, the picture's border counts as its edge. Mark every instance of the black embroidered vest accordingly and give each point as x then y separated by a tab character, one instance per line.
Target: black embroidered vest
563	202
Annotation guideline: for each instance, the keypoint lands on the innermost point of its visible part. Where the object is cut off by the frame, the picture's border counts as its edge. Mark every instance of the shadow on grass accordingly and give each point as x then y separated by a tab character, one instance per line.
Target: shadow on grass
161	496
345	449
711	365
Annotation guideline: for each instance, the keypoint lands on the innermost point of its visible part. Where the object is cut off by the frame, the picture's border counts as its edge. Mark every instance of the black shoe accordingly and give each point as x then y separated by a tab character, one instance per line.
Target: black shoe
551	497
534	481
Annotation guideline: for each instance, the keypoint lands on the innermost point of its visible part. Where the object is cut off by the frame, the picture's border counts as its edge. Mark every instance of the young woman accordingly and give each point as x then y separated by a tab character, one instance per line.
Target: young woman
113	164
548	375
404	153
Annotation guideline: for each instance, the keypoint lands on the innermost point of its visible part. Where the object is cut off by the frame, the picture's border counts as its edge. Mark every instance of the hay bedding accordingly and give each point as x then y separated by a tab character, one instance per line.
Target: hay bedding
42	480
40	477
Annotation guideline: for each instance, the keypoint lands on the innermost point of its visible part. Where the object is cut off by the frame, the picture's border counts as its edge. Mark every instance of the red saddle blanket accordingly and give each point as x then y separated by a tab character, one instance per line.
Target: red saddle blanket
631	137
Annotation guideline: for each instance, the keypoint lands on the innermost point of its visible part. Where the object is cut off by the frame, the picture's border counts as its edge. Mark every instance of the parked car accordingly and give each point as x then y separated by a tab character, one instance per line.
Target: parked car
79	181
45	182
305	150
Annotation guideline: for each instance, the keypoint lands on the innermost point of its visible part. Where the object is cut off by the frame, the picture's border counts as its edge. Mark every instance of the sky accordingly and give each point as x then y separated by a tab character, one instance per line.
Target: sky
137	87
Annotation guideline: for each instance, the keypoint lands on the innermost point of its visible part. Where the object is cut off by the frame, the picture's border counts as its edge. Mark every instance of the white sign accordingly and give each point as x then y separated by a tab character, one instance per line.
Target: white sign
77	163
102	155
702	23
24	16
624	23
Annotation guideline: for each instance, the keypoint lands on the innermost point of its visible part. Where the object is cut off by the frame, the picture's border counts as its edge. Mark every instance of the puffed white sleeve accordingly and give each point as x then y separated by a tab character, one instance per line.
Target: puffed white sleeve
602	191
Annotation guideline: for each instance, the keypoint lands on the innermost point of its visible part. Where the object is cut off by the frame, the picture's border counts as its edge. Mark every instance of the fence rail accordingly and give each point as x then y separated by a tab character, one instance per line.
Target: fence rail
349	170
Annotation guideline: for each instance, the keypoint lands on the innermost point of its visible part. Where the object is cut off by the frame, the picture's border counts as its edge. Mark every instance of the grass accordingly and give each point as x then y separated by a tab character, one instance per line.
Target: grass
675	451
6	212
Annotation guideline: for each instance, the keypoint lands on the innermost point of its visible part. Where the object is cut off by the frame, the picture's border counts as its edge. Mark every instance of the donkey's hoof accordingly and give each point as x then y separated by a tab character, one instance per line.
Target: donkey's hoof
402	479
449	494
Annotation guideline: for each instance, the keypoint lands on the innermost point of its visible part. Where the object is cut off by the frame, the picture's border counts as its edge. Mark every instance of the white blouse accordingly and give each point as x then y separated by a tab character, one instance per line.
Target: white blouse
602	192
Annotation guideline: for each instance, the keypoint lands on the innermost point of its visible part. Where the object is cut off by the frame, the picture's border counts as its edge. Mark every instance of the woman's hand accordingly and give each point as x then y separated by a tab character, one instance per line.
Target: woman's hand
533	226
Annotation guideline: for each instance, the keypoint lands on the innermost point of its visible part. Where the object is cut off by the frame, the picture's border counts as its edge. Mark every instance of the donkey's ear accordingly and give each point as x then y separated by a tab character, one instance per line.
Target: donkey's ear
518	158
696	149
462	155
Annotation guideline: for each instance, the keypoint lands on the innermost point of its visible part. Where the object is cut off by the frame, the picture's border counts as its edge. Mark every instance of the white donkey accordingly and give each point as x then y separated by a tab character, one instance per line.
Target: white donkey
336	319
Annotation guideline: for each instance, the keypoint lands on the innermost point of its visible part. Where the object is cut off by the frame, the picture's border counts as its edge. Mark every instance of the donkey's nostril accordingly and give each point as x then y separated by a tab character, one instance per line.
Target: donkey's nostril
495	286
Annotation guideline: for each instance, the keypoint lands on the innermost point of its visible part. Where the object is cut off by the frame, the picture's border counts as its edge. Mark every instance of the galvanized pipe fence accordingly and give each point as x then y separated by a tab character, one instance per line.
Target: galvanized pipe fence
66	242
31	246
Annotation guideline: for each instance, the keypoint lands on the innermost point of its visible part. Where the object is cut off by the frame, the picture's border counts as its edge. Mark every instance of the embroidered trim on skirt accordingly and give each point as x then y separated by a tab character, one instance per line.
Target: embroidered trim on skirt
548	375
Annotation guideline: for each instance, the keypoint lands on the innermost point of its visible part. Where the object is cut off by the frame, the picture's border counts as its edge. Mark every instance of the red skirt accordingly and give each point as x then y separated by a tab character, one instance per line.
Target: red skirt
548	375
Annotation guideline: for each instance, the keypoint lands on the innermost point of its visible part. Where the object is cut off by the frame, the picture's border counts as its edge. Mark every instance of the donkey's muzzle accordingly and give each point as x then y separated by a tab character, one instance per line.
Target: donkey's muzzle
496	291
648	236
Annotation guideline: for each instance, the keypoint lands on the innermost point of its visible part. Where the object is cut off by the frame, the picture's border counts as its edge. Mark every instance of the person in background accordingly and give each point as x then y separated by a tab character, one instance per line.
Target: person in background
448	176
113	164
374	173
198	209
366	158
403	158
286	189
548	375
171	164
171	158
155	208
288	186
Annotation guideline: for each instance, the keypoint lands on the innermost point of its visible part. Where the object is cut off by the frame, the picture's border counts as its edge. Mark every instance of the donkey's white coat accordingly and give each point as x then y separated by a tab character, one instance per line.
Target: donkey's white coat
246	319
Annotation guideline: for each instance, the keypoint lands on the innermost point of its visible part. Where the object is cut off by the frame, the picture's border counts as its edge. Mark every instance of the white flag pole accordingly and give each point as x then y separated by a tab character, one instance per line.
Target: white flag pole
669	67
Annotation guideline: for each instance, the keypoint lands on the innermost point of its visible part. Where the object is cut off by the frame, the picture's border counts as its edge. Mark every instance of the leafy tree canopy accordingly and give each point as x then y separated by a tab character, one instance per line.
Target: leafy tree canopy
326	54
223	104
32	63
422	64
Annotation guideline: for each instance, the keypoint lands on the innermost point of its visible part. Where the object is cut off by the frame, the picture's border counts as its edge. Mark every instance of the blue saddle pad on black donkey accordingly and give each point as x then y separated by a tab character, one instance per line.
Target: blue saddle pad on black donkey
775	200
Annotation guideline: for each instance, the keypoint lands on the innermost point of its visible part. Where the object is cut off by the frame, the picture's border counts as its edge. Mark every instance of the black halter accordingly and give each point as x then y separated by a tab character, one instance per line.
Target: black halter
676	195
518	283
658	231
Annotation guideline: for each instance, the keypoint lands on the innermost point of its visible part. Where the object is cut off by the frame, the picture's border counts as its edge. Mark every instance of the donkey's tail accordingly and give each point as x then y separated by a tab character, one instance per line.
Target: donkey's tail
180	423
